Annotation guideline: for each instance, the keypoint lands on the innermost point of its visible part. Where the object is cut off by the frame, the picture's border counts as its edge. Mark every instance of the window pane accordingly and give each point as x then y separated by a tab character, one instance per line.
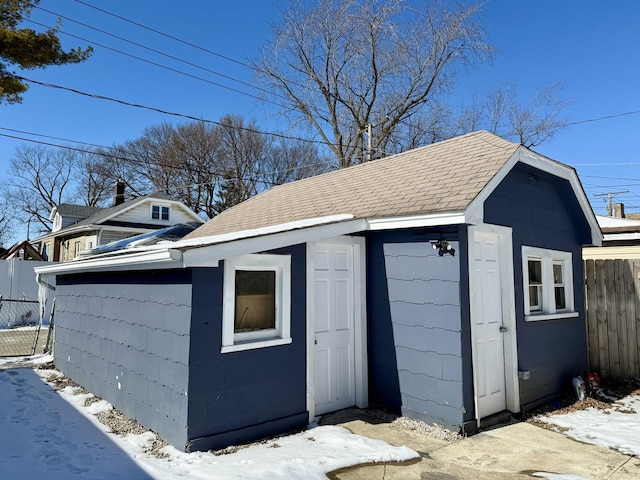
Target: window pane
561	303
535	272
255	307
155	212
557	273
165	213
535	298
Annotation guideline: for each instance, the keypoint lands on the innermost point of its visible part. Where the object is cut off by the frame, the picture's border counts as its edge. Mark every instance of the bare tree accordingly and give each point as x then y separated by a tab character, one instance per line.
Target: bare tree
39	179
529	123
6	216
290	160
540	119
195	148
94	187
341	65
209	167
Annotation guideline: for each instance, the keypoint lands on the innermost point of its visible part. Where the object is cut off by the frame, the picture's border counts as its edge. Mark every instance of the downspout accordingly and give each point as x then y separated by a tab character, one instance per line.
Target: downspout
43	287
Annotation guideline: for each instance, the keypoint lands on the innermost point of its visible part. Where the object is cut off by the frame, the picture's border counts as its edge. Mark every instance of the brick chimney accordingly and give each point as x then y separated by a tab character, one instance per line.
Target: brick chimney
617	210
118	197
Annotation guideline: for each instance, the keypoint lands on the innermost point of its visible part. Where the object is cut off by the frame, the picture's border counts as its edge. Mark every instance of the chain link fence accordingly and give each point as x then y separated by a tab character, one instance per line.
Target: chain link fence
20	327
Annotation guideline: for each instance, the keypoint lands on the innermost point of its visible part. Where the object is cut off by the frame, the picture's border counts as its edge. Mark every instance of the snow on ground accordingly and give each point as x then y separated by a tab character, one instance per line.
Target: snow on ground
557	476
616	427
50	434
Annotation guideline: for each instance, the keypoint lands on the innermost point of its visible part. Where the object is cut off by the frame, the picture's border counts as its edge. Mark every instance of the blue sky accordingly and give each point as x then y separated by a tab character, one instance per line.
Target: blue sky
593	49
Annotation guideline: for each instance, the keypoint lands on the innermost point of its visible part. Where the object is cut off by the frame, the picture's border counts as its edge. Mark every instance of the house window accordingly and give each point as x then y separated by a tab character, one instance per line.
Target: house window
76	249
548	284
159	212
257	302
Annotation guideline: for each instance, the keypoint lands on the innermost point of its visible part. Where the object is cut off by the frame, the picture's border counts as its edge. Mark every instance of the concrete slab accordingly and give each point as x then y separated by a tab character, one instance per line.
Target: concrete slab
422	444
525	448
514	451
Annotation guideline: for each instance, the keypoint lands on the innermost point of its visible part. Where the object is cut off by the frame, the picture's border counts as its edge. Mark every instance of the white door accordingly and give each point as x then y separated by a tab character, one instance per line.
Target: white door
487	324
334	328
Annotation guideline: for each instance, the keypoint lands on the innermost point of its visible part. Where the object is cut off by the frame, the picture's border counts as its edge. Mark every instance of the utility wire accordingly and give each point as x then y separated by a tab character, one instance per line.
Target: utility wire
203	49
110	152
137	24
607	117
156	64
159	52
166	112
52	137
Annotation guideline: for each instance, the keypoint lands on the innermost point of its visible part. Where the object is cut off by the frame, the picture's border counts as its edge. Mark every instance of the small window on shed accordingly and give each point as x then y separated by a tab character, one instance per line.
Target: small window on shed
548	284
257	302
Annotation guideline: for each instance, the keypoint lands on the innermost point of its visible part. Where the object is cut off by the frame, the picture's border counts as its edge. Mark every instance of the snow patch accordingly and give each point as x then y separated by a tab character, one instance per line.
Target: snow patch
616	427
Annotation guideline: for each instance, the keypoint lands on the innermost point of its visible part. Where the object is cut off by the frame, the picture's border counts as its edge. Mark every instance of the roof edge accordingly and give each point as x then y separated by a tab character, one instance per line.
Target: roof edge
529	157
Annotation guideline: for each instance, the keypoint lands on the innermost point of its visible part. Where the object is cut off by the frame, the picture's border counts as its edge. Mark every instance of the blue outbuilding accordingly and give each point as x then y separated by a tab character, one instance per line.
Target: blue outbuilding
444	283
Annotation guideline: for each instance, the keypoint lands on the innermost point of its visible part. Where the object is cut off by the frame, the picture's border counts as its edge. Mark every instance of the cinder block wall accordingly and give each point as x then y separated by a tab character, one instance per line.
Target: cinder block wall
424	303
129	344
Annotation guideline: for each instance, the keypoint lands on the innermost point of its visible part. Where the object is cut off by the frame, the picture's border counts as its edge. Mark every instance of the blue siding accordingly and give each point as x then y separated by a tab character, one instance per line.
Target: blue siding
415	345
125	337
243	396
543	212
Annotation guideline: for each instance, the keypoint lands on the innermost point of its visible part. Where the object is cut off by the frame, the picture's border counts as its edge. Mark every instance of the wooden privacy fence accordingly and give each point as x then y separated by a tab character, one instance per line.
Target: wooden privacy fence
613	316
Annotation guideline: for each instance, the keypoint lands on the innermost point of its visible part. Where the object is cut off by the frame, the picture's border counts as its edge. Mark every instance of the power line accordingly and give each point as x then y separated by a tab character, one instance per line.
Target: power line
173	57
166	112
109	152
52	137
607	117
156	64
206	50
137	24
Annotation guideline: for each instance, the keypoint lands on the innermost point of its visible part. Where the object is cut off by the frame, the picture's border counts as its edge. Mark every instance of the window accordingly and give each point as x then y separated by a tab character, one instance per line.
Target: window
257	302
159	212
76	249
548	284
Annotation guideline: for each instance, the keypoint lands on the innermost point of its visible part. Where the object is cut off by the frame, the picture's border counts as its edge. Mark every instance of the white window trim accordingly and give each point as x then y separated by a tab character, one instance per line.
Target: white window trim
548	258
160	207
281	335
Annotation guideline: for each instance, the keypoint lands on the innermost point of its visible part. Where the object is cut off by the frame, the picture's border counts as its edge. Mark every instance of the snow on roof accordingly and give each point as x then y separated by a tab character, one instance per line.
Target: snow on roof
616	222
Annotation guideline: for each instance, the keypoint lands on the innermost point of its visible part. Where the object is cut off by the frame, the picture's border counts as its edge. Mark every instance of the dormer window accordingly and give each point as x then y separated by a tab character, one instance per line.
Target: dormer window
159	212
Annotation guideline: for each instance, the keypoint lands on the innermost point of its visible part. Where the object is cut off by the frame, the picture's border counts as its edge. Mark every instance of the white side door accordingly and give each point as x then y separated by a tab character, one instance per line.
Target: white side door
334	327
487	324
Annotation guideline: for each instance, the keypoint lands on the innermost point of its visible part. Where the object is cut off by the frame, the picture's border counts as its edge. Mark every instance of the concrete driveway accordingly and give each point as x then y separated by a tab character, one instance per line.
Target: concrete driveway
513	451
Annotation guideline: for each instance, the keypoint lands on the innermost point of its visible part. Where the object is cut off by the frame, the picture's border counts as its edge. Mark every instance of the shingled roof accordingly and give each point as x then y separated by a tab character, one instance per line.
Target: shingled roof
442	177
79	211
108	212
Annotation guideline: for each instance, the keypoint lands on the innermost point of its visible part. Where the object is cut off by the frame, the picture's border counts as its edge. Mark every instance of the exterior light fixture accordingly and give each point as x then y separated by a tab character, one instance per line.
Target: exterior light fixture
443	247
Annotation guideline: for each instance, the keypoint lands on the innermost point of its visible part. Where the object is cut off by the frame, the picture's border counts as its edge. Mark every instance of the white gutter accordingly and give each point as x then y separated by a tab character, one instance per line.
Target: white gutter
412	221
166	258
209	255
260	232
609	237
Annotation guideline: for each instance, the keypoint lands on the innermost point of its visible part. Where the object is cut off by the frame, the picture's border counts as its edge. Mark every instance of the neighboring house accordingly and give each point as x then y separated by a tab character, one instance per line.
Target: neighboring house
77	228
444	283
23	251
621	238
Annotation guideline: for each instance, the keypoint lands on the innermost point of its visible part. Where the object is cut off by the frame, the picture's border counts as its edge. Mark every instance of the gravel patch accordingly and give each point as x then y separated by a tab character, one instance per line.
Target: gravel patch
117	421
433	431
